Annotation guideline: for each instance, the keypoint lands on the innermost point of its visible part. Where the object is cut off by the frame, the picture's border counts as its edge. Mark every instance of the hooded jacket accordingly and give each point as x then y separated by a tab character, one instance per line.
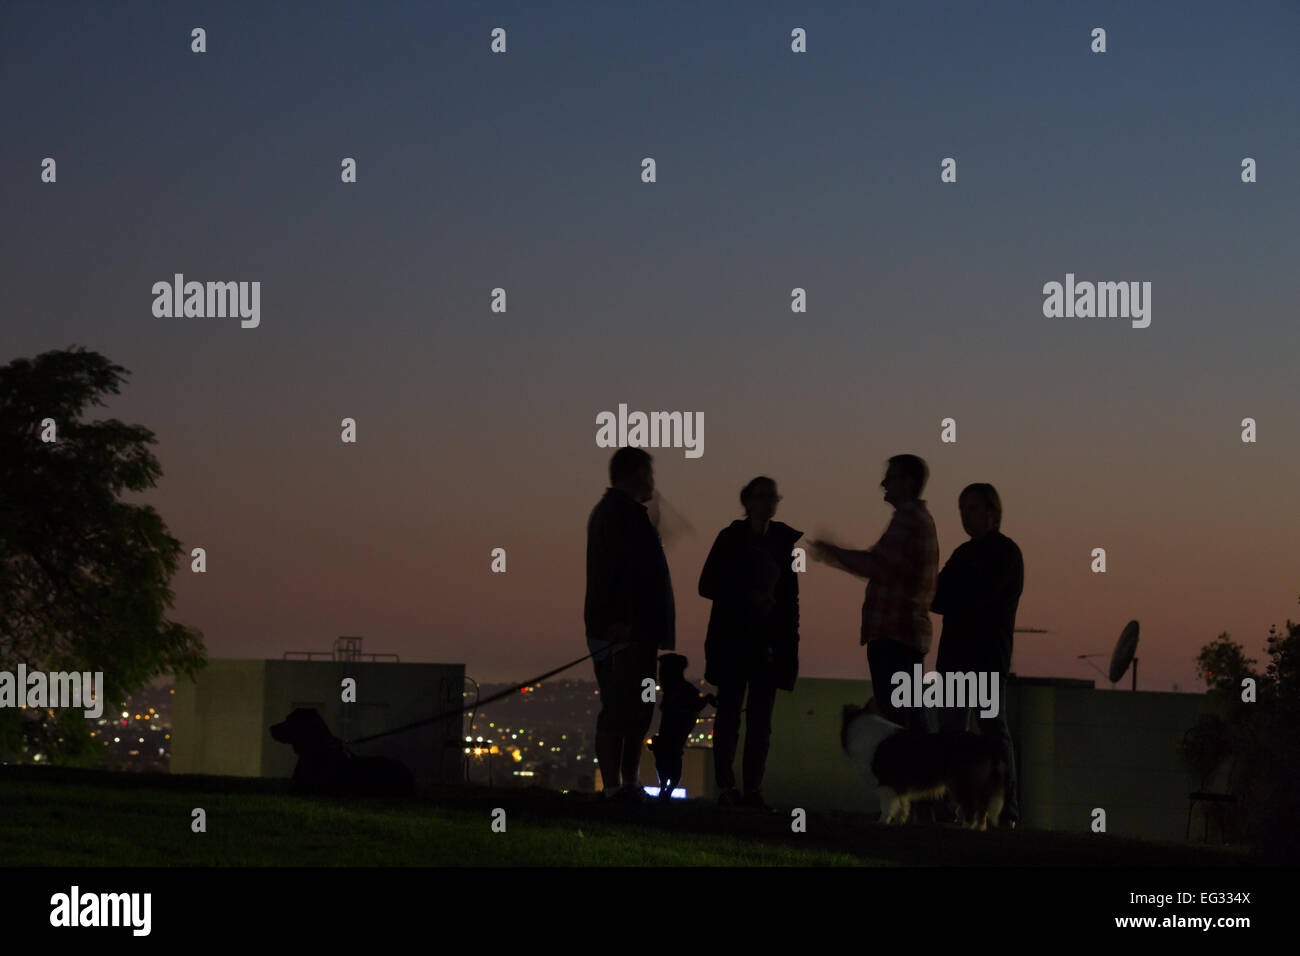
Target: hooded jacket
742	632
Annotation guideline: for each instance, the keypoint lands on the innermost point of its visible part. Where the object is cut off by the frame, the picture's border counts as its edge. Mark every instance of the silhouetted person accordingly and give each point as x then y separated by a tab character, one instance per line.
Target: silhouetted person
629	616
978	592
902	568
680	704
753	637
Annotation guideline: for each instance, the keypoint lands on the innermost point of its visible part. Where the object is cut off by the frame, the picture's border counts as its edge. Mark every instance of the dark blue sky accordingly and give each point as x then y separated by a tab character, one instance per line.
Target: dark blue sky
775	170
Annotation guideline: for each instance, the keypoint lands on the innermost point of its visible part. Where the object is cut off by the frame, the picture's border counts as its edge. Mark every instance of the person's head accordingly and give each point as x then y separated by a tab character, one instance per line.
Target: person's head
905	479
981	509
759	498
630	470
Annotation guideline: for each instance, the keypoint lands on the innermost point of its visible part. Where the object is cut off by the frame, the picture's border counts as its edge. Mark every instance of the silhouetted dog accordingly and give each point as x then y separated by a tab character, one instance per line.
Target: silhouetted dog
325	768
680	704
907	765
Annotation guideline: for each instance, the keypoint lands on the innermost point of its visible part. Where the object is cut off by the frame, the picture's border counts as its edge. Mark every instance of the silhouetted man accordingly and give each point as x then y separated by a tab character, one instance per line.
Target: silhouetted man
901	568
977	593
629	616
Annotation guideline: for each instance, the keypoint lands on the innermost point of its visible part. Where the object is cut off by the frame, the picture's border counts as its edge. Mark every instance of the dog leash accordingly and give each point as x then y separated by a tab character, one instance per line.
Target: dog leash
478	703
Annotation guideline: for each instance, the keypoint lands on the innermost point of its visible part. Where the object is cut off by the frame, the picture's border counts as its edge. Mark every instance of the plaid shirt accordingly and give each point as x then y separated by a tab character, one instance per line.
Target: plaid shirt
898	600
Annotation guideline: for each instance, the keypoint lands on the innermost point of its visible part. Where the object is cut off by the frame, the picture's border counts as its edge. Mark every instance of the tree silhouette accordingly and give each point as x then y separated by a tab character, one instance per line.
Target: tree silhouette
1222	664
1260	736
83	576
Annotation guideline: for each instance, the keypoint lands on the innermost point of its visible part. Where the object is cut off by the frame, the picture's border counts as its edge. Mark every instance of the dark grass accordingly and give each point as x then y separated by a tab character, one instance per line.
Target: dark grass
64	817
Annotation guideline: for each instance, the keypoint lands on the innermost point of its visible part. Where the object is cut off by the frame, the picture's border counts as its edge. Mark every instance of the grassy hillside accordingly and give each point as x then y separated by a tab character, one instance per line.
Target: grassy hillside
62	817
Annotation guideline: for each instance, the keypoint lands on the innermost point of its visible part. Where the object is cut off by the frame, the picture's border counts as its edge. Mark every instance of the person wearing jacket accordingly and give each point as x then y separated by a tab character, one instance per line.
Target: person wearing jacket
753	638
978	592
629	616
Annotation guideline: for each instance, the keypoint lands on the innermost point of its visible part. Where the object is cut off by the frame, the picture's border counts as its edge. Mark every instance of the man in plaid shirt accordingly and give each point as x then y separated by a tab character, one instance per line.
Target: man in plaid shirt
902	568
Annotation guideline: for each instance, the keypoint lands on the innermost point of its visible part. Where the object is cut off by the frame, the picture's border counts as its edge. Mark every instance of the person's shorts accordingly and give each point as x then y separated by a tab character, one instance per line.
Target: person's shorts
620	676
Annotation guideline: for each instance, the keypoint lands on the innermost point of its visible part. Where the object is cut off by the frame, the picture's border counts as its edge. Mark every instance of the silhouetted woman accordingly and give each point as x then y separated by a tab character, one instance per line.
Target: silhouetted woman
753	638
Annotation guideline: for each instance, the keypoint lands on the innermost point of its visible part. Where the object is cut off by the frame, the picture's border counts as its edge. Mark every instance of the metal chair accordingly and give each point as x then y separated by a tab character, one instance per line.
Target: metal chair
1221	800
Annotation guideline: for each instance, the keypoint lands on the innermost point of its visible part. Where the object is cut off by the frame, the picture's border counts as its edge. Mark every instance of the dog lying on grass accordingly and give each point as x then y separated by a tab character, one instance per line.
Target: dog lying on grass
325	768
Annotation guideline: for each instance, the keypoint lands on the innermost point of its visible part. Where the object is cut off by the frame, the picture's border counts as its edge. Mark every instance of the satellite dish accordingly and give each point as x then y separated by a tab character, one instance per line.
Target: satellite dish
1122	657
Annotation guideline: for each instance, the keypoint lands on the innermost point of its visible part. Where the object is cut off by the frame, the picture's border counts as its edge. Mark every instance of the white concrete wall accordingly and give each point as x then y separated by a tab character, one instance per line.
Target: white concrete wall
221	722
218	721
1077	748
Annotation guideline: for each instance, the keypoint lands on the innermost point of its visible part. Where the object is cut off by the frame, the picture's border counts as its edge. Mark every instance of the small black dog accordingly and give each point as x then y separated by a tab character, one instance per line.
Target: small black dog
679	707
325	768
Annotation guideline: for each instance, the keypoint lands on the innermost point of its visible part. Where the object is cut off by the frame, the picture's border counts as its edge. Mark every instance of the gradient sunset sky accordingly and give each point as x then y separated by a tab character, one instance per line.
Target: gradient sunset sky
775	170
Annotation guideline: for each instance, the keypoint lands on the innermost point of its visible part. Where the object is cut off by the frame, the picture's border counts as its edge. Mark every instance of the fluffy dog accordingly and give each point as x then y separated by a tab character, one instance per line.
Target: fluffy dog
325	768
906	765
